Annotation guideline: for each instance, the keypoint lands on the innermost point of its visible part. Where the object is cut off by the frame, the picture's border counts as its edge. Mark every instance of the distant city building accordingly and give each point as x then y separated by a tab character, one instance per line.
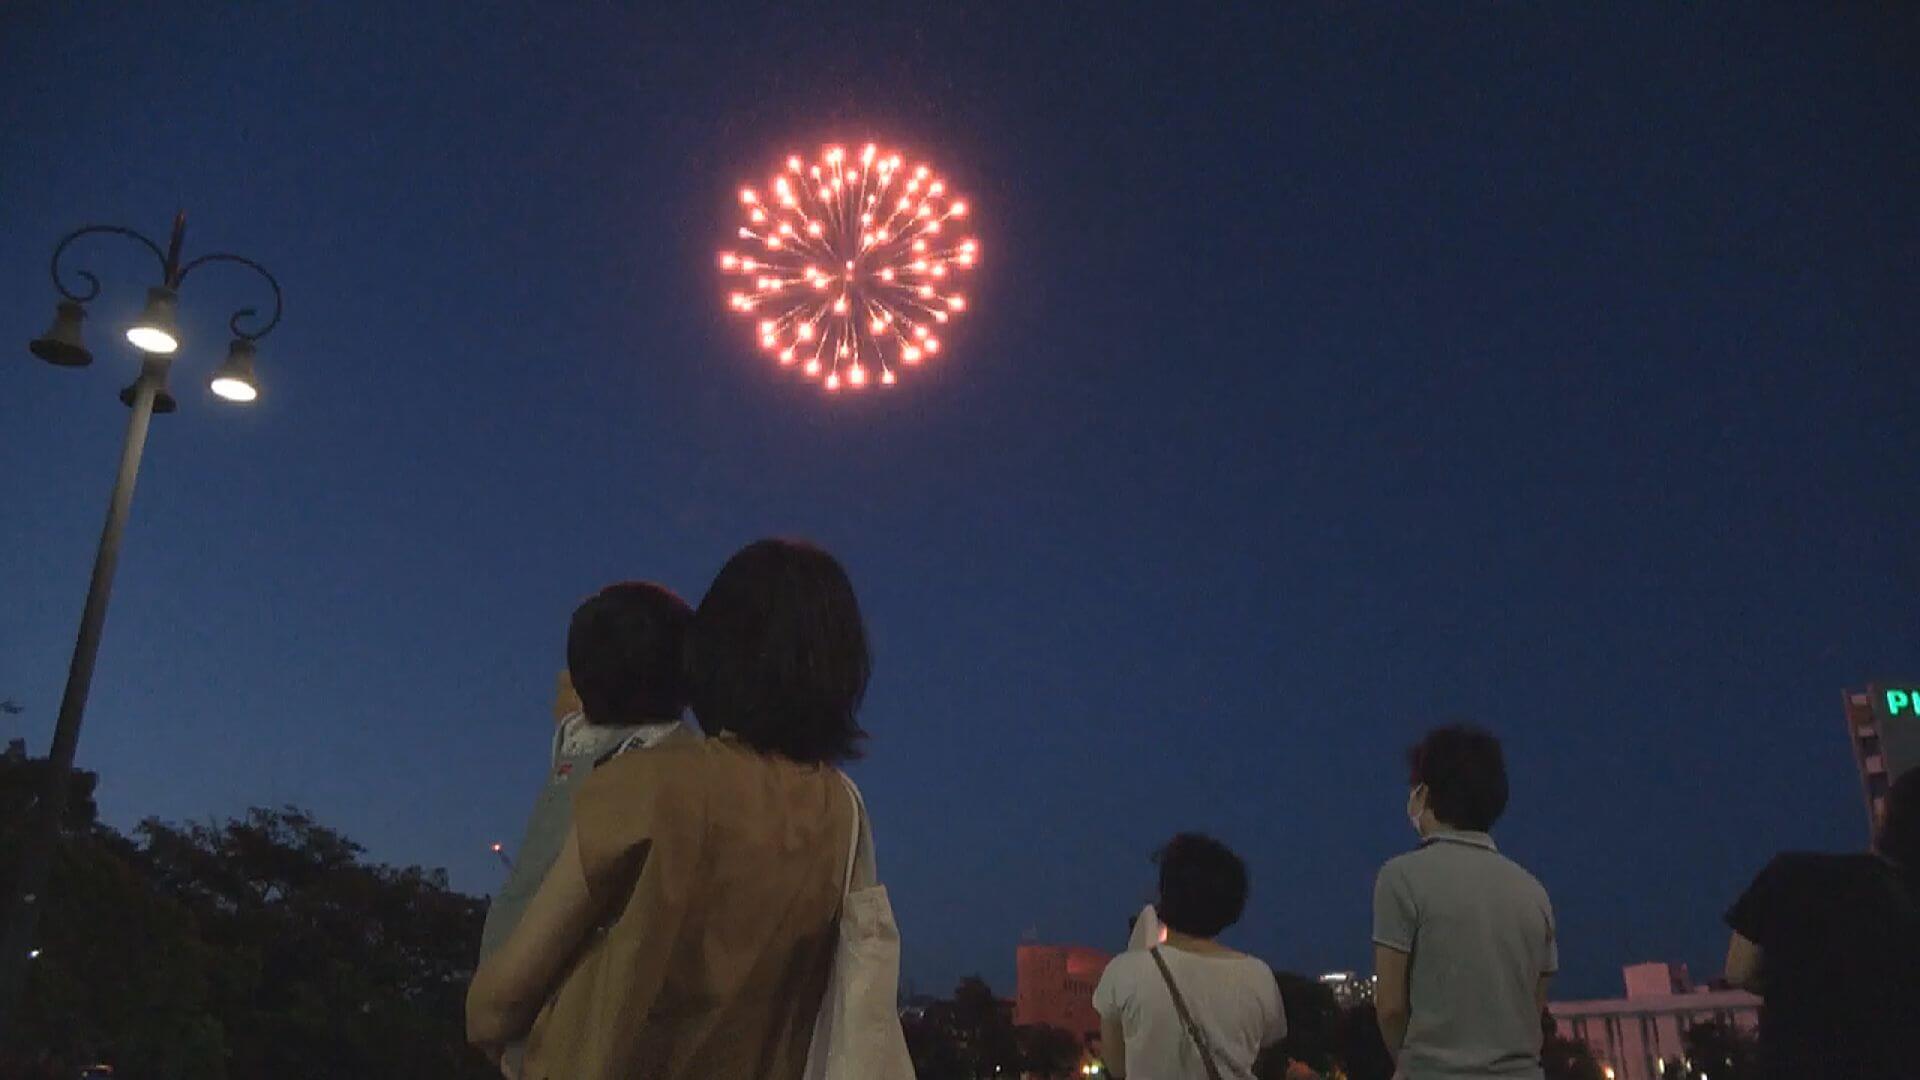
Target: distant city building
1631	1036
1883	724
1348	988
1054	986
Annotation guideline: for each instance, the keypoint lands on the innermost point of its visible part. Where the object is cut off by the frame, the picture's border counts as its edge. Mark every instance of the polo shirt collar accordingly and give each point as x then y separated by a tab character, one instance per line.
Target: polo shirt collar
1461	836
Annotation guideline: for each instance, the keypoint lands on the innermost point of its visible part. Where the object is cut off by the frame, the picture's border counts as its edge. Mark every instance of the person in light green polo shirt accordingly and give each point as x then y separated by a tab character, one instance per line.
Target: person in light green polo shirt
1463	937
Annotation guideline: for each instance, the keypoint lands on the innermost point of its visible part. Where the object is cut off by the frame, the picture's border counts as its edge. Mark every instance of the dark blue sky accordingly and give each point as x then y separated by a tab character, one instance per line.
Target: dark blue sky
1330	372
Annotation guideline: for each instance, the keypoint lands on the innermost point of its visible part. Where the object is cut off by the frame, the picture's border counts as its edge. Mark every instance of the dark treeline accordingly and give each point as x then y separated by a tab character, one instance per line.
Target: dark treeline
264	946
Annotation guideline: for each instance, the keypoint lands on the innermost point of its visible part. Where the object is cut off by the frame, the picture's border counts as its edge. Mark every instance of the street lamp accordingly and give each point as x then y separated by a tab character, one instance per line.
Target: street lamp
156	334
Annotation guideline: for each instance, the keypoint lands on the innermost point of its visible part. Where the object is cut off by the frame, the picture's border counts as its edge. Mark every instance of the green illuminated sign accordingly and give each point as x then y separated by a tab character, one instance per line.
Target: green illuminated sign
1908	700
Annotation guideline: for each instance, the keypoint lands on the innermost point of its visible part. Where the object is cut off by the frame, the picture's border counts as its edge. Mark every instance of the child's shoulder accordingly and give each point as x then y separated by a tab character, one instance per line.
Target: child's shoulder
679	748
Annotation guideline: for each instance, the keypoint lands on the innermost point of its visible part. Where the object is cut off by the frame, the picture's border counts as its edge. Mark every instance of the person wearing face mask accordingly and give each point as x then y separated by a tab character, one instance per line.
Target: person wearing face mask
1463	937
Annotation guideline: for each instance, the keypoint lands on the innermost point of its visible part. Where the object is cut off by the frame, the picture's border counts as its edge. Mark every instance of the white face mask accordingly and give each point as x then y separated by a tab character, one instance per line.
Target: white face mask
1417	807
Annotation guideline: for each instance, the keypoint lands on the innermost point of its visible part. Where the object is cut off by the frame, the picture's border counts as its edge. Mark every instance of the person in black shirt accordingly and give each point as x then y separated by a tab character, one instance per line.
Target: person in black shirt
1832	942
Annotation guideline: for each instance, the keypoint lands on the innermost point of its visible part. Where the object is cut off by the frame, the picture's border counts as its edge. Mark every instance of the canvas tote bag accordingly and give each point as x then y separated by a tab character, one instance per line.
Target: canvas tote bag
857	1035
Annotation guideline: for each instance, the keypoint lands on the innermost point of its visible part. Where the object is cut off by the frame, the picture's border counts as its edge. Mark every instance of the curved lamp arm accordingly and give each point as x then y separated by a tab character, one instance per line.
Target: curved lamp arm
93	283
234	323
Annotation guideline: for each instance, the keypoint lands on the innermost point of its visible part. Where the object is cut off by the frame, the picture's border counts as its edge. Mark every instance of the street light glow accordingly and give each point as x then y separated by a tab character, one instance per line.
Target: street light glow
152	339
234	389
154	331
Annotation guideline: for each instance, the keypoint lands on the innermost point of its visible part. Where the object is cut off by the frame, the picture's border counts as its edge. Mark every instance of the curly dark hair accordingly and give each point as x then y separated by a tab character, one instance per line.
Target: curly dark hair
778	653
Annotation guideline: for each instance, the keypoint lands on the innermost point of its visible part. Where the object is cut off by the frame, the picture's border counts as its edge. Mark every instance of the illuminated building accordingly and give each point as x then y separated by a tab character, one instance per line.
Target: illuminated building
1350	989
1054	986
1632	1035
1883	725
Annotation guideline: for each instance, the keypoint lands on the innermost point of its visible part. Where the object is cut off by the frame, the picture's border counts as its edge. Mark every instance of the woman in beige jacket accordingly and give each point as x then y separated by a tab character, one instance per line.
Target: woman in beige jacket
687	929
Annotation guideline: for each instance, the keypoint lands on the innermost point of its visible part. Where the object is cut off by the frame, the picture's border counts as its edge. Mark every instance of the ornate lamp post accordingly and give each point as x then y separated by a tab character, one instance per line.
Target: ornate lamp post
157	337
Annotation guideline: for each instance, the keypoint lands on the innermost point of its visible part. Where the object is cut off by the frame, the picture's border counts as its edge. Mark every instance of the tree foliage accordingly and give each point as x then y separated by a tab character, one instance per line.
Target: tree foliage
260	946
972	1036
1718	1050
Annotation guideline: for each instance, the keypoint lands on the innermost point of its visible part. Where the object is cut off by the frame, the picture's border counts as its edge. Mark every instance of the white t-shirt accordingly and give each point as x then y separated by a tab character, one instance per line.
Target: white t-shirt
1234	1001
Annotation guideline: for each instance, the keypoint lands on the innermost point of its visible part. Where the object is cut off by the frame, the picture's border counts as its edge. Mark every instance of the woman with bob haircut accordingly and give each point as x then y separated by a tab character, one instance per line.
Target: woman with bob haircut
688	928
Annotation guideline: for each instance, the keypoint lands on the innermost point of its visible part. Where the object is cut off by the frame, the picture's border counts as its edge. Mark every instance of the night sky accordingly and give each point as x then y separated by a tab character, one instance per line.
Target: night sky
1330	373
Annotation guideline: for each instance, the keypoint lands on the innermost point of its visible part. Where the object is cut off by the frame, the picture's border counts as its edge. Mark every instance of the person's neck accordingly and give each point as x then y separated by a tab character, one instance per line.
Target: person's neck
1189	943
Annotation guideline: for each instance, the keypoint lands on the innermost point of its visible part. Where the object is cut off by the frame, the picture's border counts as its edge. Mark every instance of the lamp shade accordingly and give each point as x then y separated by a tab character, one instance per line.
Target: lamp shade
155	331
235	381
61	344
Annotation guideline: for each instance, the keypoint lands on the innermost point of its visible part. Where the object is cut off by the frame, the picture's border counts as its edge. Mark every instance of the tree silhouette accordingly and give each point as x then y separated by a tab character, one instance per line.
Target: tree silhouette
258	947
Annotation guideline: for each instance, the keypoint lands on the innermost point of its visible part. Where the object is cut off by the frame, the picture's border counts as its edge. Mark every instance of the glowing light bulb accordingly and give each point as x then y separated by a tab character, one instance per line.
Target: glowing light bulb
919	331
729	261
910	354
886	377
813	367
757	216
957	302
749	265
958	209
919	246
814	228
747	196
833	381
926	292
840	305
857	375
804	331
932	345
878	326
886	273
786	355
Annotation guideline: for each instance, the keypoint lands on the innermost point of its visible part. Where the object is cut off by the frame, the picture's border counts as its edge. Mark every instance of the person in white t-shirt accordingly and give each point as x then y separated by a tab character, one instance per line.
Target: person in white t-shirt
1232	998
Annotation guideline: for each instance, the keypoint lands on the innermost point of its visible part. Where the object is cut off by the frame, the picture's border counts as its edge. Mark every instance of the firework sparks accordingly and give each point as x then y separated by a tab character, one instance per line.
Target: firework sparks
847	265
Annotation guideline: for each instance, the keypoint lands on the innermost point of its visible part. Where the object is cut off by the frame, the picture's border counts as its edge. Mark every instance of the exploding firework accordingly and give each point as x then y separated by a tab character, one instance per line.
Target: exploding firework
848	265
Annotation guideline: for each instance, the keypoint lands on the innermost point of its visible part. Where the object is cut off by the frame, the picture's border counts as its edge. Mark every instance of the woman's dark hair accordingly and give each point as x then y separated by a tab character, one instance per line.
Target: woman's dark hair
778	653
1203	885
623	653
1465	774
1900	832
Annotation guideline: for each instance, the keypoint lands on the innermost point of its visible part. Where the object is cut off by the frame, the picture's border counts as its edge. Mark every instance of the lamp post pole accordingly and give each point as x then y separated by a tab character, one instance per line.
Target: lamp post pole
147	392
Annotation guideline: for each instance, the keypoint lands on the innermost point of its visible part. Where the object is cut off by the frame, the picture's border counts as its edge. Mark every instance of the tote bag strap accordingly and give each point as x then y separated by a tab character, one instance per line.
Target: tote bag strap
853	835
1186	1018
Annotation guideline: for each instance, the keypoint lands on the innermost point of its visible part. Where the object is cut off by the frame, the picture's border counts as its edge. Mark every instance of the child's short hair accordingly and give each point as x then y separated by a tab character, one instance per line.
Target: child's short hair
624	653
